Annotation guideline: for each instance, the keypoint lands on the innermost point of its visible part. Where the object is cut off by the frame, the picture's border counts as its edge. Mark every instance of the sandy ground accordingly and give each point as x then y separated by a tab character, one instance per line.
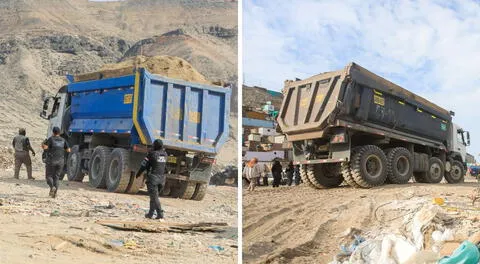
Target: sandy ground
29	234
304	225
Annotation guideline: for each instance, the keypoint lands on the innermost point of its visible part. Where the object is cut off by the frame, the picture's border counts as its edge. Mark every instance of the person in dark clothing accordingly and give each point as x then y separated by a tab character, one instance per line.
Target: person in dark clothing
296	174
154	165
289	172
276	173
55	148
22	146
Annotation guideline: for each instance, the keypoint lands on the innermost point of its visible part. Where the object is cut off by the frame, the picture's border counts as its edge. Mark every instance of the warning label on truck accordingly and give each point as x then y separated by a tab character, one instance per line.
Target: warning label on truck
377	99
127	99
443	126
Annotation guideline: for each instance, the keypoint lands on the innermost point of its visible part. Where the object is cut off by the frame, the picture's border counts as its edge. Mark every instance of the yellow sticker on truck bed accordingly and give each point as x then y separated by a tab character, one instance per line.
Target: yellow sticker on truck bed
172	159
379	100
128	99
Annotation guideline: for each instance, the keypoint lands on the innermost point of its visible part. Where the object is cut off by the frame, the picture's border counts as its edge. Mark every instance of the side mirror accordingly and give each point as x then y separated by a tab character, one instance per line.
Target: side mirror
43	114
468	138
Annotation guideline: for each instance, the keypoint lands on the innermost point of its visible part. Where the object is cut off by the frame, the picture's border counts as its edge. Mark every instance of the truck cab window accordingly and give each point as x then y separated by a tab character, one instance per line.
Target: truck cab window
460	138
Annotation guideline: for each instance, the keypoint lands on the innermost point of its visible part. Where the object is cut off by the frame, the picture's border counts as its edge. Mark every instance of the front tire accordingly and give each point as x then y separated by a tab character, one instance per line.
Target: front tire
74	165
436	170
456	173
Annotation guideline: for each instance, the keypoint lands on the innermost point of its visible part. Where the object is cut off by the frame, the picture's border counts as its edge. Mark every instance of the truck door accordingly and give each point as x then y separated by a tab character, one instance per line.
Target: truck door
459	141
54	110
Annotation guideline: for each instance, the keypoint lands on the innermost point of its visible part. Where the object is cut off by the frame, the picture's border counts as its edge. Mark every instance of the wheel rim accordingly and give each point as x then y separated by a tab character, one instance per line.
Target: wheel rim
456	172
403	165
114	171
373	166
435	170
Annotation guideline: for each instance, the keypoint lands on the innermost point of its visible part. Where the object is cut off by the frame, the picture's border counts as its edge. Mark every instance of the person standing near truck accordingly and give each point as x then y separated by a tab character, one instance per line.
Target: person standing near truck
289	172
22	146
252	172
276	173
154	165
55	148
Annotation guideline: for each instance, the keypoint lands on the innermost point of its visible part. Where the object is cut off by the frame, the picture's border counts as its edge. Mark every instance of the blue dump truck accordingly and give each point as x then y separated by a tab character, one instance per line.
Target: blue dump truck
110	123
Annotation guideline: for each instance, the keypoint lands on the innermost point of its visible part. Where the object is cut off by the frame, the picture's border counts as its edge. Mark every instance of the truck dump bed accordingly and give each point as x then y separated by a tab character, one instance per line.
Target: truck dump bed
186	116
358	95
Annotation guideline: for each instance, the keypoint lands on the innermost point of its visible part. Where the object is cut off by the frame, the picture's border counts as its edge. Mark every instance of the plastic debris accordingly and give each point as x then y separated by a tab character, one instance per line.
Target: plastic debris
130	244
349	250
55	213
116	243
439	201
216	248
466	253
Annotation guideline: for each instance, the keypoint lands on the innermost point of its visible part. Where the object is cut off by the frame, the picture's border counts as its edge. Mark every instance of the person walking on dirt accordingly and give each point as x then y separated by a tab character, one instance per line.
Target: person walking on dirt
55	148
154	164
296	174
22	146
276	173
253	173
266	170
289	172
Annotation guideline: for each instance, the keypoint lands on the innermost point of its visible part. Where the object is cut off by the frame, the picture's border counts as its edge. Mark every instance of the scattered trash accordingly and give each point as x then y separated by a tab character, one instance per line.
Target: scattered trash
55	213
439	201
60	246
109	206
349	250
216	248
130	244
466	253
116	243
158	226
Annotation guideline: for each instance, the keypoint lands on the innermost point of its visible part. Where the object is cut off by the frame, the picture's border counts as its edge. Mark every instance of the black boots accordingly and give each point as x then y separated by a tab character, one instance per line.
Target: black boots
150	215
53	192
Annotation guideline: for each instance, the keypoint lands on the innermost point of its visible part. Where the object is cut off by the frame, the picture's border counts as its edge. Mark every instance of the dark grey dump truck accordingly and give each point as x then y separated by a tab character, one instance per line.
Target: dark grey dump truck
352	125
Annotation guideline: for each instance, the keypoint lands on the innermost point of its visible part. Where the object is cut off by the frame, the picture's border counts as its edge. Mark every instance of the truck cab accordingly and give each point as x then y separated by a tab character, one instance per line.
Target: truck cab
460	139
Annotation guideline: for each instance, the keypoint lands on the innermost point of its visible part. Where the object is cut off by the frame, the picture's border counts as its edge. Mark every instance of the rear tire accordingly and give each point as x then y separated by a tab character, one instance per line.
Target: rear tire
184	190
200	191
118	173
304	176
456	173
436	170
325	175
74	165
347	172
369	166
399	165
97	171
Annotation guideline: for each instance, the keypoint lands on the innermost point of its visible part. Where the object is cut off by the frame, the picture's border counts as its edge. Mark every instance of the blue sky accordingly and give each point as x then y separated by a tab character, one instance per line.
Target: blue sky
428	47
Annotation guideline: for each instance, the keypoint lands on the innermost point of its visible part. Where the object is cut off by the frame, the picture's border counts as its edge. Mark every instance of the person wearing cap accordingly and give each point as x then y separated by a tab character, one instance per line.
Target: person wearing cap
154	164
55	148
22	146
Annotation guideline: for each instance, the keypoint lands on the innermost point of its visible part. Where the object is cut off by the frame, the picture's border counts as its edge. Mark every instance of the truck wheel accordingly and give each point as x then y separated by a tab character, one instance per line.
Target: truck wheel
347	175
420	176
435	171
456	173
304	176
324	175
399	165
97	171
200	191
118	173
184	190
74	165
347	172
369	166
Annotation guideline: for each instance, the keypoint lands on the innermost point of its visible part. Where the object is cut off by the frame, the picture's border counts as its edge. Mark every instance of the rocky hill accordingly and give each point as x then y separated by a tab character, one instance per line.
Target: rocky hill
41	41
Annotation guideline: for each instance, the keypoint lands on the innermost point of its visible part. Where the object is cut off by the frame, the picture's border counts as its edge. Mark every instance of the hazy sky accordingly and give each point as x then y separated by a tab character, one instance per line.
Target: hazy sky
428	47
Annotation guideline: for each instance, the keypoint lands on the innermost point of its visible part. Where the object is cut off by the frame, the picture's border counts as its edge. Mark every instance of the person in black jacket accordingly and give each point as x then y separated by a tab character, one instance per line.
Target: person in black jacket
22	146
55	148
289	172
276	173
154	165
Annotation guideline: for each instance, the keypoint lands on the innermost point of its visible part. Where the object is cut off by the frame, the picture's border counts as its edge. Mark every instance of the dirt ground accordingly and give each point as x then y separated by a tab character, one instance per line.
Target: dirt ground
303	225
37	229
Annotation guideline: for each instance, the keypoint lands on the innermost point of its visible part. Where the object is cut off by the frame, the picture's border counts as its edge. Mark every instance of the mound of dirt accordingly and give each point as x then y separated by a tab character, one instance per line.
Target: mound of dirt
168	66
